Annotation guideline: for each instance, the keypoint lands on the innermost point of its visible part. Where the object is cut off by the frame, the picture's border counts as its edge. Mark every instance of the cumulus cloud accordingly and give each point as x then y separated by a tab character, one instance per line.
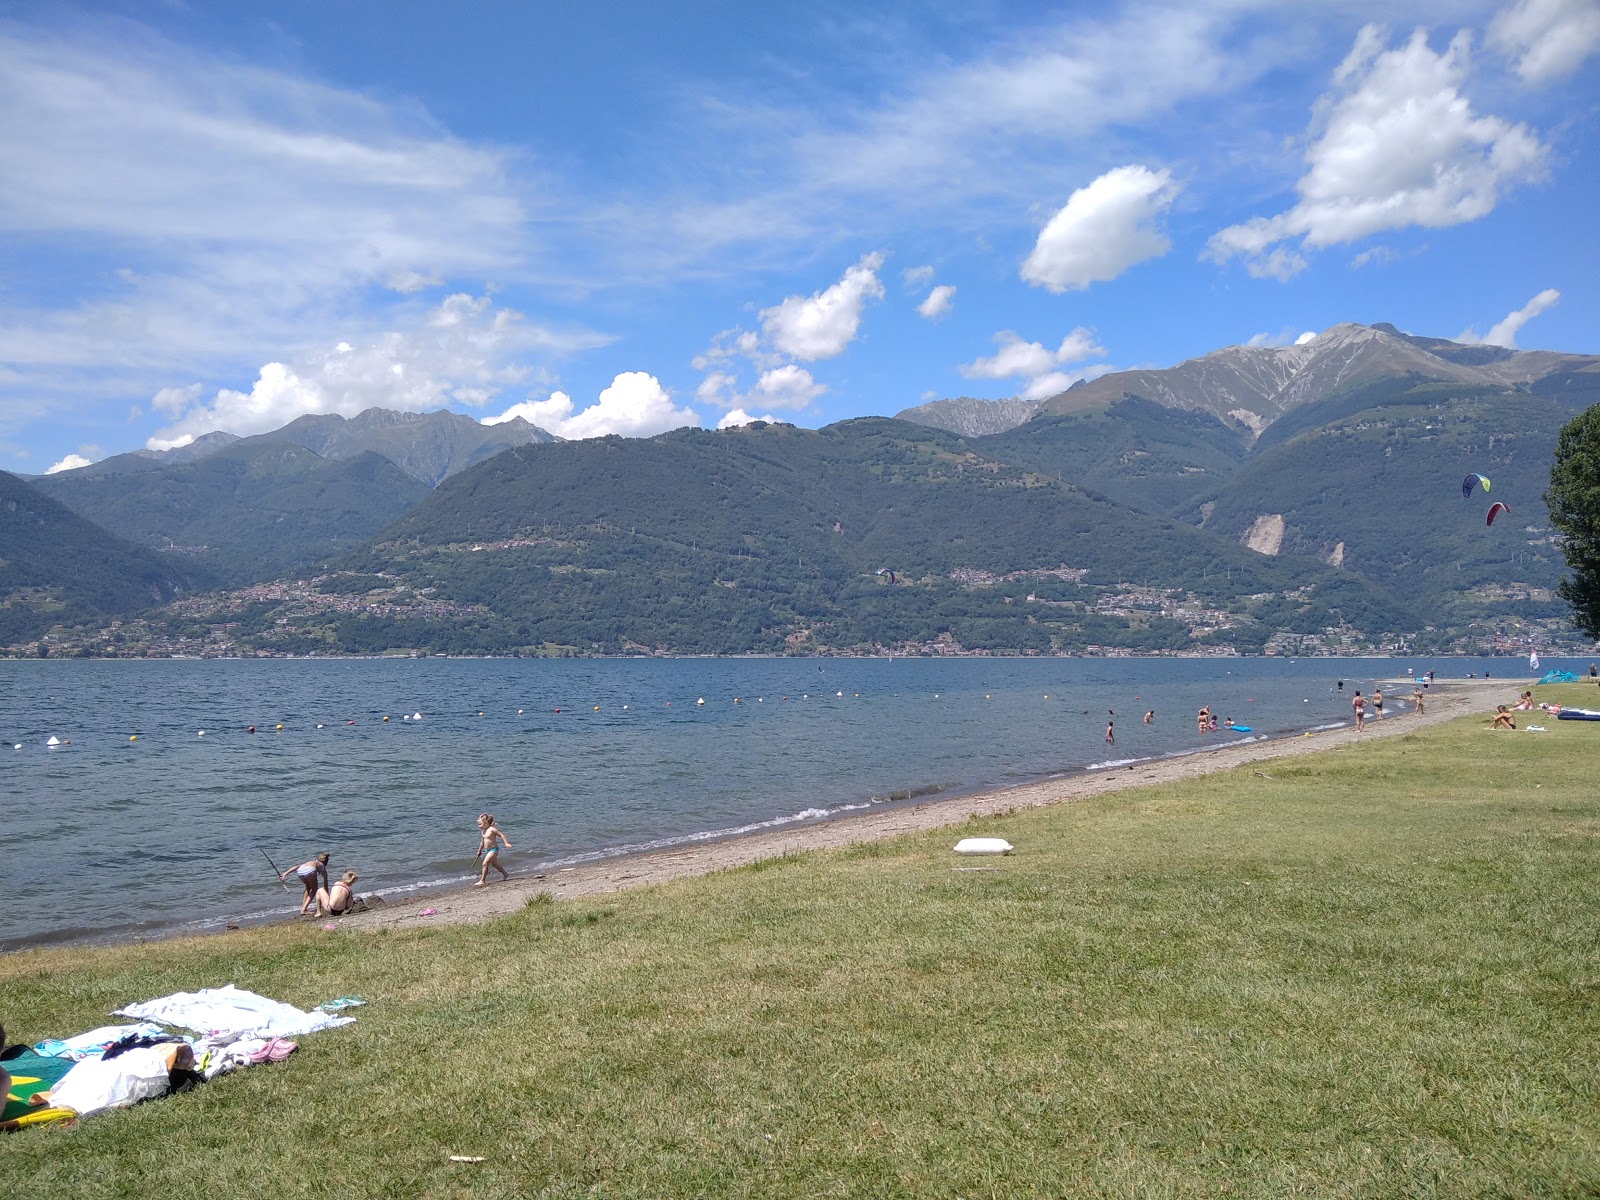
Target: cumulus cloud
635	405
824	324
1505	333
917	278
462	352
1103	229
1037	365
739	417
938	302
1398	146
1547	39
70	463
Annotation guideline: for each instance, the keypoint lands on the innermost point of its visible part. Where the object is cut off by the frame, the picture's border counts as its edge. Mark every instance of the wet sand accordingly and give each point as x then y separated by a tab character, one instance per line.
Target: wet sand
1444	702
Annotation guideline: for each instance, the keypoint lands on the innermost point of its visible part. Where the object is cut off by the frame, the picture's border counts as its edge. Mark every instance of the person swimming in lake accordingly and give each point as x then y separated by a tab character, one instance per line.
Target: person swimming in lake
1111	733
488	850
309	873
339	899
1150	716
1203	718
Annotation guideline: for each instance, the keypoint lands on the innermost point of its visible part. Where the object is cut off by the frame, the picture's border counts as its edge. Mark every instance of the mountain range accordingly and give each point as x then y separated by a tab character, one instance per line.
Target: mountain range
1302	497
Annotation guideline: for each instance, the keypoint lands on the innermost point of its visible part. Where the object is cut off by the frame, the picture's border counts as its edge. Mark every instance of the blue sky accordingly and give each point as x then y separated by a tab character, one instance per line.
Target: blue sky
622	218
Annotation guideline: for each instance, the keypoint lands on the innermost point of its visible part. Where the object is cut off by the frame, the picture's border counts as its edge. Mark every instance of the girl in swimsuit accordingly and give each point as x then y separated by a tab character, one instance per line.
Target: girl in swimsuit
337	900
488	834
309	872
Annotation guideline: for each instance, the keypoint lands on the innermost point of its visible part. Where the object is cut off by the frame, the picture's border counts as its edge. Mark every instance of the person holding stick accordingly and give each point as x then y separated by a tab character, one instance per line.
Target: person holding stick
312	873
488	850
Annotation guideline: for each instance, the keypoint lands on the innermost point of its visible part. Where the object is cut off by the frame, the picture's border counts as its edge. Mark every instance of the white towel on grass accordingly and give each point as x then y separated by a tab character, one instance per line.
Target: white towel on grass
232	1010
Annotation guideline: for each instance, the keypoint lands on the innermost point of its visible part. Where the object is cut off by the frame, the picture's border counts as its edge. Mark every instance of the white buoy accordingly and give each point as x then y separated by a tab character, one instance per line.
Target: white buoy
702	700
838	693
519	712
54	741
200	733
18	746
416	716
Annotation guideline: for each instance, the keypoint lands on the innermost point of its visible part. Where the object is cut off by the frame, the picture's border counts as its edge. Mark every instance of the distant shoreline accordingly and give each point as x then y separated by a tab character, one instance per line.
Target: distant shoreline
1447	700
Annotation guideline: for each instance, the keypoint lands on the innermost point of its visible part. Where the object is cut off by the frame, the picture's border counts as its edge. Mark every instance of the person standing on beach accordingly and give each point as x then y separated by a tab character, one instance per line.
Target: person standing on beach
1377	702
490	842
312	873
1416	698
1359	706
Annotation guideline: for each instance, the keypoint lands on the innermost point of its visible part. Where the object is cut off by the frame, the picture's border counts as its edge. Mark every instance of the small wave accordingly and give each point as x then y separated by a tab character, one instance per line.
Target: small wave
1115	762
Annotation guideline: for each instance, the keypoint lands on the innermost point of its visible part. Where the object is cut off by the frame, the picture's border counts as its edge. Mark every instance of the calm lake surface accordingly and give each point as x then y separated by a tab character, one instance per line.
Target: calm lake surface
142	825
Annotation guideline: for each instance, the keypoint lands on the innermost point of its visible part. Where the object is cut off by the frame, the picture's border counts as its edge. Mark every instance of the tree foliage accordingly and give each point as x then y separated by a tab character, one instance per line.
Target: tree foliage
1574	502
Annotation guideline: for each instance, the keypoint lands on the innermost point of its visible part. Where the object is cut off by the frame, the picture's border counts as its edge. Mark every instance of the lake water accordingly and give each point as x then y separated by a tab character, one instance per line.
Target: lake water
141	825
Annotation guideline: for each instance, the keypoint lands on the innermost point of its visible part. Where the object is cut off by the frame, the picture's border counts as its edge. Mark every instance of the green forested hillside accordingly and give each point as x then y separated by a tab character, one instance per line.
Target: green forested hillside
57	567
252	511
1133	451
771	537
1376	478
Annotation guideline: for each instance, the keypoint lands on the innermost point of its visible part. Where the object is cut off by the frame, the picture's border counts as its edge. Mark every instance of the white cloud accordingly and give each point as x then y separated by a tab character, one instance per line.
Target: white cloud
1308	336
1103	229
1399	146
824	324
1547	39
461	353
788	386
1380	255
635	405
1285	337
739	417
219	212
1017	358
917	278
70	463
1505	333
938	302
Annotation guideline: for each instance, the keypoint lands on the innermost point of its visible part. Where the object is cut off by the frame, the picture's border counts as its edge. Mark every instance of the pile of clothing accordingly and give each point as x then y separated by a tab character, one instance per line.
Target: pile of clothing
118	1065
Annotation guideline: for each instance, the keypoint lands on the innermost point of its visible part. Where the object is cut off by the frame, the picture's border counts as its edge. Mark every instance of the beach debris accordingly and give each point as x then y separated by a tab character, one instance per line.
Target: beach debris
466	1158
983	846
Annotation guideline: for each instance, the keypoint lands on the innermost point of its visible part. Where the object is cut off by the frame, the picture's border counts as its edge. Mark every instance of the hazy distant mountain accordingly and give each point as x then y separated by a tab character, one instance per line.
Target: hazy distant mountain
1254	386
970	417
427	446
55	566
254	510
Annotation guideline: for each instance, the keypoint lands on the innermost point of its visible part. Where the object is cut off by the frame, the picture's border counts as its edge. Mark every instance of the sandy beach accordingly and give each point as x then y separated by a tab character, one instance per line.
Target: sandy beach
1446	701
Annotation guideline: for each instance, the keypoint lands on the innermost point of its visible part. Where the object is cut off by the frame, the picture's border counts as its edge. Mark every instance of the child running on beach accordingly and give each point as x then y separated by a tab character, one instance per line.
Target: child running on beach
488	851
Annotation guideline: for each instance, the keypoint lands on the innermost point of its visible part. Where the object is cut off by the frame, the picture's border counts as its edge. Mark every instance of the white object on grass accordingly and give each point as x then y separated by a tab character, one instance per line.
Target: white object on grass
983	846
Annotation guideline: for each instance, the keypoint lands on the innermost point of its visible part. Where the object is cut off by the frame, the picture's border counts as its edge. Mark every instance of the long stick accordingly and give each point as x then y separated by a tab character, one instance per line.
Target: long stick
275	870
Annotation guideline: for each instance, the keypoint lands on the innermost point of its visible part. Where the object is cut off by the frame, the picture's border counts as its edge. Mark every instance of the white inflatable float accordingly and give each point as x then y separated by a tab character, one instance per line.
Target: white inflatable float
983	846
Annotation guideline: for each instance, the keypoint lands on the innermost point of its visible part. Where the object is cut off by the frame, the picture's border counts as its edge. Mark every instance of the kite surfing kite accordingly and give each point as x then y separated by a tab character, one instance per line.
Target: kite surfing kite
1471	482
1495	510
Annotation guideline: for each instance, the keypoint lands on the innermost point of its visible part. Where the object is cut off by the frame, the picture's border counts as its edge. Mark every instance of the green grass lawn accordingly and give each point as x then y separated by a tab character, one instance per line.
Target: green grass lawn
1372	972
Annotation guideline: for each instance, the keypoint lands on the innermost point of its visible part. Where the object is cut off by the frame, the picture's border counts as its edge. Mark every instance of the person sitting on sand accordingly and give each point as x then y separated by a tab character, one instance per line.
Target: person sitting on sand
339	899
309	872
1503	719
488	834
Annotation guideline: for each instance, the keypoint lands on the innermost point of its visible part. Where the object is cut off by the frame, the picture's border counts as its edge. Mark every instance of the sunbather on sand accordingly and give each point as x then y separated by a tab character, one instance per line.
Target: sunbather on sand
1503	719
337	900
488	834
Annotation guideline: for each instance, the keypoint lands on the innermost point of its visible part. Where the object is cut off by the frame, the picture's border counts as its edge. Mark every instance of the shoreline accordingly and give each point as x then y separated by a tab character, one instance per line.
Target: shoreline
468	904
